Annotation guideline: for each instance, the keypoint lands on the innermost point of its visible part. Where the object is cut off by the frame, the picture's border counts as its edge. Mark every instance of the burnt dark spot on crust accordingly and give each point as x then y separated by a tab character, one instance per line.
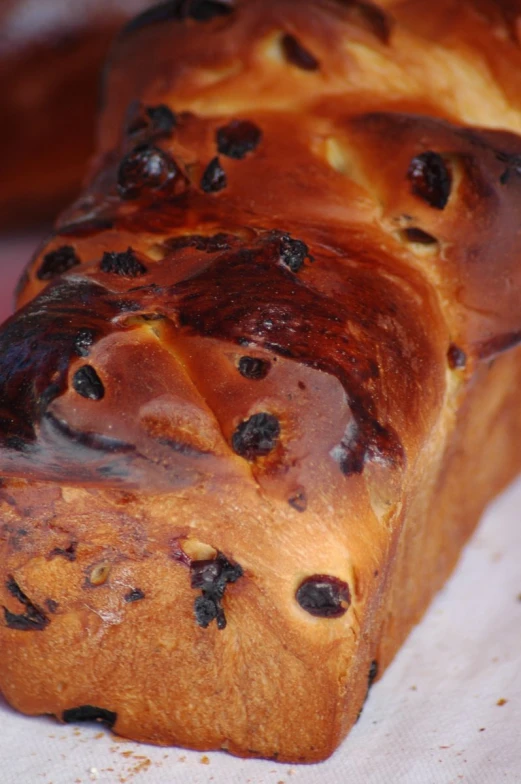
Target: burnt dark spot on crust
210	244
88	384
238	138
51	605
430	179
83	342
214	178
298	501
147	169
324	596
179	10
295	53
211	577
456	357
89	713
125	264
414	234
293	253
256	436
33	619
254	368
57	262
65	552
153	121
135	595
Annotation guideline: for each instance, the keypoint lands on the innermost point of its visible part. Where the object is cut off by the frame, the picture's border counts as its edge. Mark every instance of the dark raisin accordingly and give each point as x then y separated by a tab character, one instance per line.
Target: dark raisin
146	169
205	611
125	264
211	577
89	713
156	121
430	179
254	368
373	672
87	383
33	619
68	552
178	10
58	261
135	595
293	253
298	501
256	436
214	178
456	357
83	342
51	605
324	596
238	138
295	53
418	235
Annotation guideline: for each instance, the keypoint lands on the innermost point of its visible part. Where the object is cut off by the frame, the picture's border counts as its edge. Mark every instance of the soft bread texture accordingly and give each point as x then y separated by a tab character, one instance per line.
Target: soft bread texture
264	376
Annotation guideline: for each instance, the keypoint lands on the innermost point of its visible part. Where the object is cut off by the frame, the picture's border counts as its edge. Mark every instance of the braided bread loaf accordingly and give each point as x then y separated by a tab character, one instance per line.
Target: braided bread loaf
263	378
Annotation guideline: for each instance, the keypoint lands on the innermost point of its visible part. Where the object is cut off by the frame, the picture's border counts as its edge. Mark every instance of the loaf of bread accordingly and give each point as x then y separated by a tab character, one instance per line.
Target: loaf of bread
263	378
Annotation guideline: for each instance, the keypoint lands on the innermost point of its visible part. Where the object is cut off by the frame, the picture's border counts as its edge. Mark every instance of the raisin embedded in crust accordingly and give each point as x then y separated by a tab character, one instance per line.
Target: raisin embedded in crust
324	596
179	10
135	595
238	138
58	261
254	368
211	577
456	357
293	253
33	619
89	713
154	121
147	168
125	264
88	384
295	53
430	179
83	342
214	178
298	501
256	436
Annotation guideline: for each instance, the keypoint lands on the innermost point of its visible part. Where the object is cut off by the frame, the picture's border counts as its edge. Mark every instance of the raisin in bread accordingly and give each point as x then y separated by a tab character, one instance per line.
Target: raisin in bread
263	378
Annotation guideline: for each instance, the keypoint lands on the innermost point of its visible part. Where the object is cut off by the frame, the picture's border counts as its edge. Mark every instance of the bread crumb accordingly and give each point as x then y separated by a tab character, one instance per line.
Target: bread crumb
205	760
502	701
482	729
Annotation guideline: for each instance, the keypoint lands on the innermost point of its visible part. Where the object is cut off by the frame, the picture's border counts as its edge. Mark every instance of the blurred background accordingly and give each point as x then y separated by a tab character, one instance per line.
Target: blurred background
51	56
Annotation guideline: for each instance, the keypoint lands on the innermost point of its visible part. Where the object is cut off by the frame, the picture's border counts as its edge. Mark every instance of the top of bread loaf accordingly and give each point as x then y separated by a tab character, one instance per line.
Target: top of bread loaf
290	241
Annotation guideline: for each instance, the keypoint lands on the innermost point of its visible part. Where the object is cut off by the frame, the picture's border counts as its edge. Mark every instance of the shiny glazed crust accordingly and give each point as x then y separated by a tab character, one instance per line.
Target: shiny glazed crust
263	379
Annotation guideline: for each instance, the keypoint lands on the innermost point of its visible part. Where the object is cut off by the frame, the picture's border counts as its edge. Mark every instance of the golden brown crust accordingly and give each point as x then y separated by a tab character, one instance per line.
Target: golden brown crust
243	385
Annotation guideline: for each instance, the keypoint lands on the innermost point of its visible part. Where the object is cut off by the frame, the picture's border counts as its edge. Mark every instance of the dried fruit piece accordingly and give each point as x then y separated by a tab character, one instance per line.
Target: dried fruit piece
211	577
256	436
456	357
89	713
135	595
65	552
154	121
147	169
238	138
58	261
125	264
430	179
99	574
87	383
254	368
83	342
297	55
293	253
33	619
324	596
214	178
